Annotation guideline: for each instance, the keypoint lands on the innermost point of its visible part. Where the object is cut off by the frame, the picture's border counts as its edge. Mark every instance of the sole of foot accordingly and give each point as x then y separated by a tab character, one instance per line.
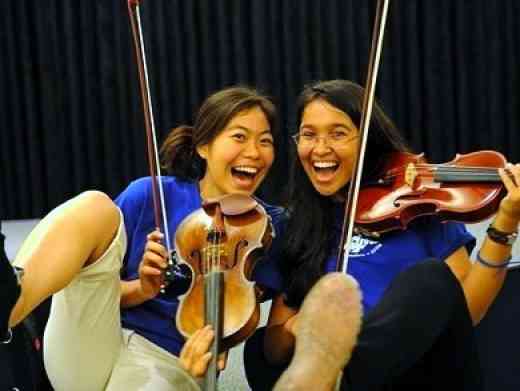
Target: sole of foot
326	333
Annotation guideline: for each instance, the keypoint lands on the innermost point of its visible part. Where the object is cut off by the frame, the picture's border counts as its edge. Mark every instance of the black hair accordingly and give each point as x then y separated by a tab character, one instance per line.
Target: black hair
310	234
178	153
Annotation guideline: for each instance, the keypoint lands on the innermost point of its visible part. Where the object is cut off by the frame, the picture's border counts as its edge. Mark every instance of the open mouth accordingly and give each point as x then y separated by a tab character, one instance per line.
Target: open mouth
245	175
325	168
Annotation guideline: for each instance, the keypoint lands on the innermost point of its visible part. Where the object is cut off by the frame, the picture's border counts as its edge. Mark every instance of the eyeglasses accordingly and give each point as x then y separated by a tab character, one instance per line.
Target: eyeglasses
331	139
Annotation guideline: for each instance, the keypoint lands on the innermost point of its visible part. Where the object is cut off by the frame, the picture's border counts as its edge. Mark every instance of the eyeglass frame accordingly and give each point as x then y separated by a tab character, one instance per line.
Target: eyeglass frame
326	139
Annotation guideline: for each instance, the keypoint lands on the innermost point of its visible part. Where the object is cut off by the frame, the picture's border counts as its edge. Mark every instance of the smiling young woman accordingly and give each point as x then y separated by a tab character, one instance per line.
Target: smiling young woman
103	261
421	294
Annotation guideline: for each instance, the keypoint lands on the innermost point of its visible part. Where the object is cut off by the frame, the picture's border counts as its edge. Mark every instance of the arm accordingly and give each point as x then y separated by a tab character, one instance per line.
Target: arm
482	283
279	335
148	285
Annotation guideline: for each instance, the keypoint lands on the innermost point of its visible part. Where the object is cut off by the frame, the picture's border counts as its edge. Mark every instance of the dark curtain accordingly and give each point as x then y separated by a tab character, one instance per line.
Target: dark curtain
70	115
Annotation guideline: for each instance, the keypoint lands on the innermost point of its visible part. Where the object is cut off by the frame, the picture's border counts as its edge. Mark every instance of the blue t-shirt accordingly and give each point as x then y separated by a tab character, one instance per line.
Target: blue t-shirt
374	263
155	319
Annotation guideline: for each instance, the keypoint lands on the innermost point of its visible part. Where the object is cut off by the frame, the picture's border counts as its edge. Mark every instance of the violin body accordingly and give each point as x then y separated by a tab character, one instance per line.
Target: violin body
244	240
467	189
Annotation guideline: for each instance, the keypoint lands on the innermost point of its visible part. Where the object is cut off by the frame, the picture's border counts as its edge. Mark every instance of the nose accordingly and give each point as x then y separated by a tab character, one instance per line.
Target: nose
321	146
251	150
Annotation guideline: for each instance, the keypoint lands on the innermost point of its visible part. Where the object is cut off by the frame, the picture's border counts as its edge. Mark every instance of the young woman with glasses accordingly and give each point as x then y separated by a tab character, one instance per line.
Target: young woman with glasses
421	294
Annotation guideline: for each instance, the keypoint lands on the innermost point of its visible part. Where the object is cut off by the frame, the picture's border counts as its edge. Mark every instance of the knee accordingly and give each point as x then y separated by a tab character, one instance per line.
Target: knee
432	276
97	200
98	206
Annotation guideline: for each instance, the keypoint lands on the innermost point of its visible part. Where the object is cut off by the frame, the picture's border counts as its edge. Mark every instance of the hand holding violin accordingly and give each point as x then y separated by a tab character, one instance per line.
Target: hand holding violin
195	354
510	204
152	266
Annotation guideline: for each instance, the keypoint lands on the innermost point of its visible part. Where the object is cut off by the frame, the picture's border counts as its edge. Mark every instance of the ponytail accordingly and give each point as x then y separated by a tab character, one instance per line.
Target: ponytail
179	157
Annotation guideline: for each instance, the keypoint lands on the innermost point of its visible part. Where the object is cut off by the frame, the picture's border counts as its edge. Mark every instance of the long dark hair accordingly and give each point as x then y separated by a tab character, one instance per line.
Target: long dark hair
179	156
310	231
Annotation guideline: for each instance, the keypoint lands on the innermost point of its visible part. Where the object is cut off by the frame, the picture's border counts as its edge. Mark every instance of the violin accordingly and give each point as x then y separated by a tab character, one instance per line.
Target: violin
222	240
467	189
221	243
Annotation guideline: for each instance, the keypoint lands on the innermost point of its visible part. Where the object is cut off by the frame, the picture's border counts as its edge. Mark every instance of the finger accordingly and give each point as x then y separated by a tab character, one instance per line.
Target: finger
154	260
156	236
193	342
507	180
150	271
515	170
201	366
156	248
203	341
187	353
222	360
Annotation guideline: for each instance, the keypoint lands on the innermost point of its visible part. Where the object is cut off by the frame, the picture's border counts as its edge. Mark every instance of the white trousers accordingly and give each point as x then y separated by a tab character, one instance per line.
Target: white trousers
85	348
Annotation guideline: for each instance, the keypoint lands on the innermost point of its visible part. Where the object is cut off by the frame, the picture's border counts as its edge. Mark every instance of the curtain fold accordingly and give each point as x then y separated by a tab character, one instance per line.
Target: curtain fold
70	115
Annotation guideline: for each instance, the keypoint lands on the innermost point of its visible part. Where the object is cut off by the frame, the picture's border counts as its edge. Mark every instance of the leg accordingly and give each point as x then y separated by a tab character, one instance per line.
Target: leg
145	366
328	325
73	235
421	324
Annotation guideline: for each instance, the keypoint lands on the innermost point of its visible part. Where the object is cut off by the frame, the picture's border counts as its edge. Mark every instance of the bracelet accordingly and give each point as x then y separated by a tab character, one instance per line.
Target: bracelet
493	265
505	238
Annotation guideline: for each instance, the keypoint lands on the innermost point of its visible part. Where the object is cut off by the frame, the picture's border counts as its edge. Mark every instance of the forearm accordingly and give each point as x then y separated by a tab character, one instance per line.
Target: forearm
132	294
483	283
278	344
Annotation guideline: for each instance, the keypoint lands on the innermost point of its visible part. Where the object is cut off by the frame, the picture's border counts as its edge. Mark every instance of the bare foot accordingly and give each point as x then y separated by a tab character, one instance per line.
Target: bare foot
326	333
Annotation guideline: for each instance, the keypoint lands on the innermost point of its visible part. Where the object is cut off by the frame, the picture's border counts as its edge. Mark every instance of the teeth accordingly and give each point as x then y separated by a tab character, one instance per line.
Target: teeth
325	164
247	170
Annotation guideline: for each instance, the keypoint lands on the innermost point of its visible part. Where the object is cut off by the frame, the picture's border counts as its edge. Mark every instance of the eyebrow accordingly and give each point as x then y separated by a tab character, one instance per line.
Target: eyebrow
240	127
333	125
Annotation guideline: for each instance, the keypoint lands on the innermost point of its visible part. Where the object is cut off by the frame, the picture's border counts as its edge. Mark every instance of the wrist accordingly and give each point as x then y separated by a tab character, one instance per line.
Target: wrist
501	237
505	222
143	293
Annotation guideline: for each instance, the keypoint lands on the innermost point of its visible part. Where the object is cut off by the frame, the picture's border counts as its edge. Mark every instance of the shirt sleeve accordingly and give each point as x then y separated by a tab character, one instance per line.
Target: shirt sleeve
267	271
443	239
131	202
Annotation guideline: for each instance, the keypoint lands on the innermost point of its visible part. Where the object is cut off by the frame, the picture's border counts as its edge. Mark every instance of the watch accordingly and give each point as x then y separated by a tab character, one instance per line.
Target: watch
506	238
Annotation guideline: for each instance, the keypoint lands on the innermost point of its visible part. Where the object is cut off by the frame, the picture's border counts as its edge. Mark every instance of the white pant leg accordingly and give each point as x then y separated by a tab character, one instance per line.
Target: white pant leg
83	335
144	366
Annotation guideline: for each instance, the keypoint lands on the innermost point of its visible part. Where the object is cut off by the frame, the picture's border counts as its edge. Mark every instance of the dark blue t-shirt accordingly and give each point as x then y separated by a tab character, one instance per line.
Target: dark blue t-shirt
374	263
155	319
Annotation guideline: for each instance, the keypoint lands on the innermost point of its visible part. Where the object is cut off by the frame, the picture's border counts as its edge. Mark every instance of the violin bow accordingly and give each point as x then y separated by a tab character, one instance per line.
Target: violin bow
160	217
214	282
366	115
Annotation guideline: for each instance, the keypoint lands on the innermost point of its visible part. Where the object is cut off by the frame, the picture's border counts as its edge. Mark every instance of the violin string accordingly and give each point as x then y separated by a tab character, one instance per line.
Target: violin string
402	169
462	171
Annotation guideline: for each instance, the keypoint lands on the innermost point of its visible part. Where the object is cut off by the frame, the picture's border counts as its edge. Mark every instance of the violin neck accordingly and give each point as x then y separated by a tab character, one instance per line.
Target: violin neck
213	310
466	174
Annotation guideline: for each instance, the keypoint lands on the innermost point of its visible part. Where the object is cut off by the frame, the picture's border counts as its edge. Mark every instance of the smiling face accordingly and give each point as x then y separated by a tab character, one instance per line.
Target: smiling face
328	163
239	157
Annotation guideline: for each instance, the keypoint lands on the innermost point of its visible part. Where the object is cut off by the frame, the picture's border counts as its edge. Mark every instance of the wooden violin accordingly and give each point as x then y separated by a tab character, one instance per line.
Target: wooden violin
221	243
467	189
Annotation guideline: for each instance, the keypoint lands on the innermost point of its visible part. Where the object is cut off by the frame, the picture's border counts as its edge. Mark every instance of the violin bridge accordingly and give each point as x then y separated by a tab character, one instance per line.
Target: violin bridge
215	254
410	174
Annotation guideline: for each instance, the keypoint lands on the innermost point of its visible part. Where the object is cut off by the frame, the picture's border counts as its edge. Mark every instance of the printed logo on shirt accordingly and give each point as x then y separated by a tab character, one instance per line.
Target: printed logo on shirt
362	246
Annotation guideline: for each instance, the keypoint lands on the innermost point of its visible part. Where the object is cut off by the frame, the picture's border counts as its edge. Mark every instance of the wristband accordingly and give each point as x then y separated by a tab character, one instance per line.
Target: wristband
501	265
505	238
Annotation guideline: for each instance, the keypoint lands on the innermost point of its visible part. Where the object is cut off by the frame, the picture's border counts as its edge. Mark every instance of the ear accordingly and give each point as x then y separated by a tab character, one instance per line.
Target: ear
202	150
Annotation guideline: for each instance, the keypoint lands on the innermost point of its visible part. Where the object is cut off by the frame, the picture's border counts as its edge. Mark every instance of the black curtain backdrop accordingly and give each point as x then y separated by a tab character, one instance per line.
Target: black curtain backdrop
70	115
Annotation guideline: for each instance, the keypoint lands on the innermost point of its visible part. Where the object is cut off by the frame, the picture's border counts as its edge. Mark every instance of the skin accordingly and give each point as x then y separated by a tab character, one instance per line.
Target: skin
246	143
480	284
